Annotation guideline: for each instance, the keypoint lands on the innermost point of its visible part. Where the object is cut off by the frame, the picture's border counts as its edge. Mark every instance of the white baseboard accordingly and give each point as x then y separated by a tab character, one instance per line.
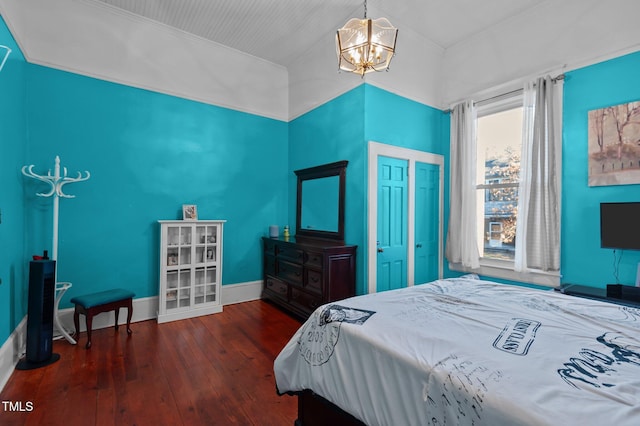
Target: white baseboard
145	308
11	351
242	292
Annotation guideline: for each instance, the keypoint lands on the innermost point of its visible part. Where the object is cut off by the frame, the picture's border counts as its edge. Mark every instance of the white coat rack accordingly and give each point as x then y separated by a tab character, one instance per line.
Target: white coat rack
7	50
56	182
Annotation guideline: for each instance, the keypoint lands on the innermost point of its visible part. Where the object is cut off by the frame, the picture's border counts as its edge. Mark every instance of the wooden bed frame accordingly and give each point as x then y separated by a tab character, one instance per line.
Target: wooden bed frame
314	410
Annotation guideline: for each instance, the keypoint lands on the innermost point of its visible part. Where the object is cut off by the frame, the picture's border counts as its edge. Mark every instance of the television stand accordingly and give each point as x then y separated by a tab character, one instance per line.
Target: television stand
614	293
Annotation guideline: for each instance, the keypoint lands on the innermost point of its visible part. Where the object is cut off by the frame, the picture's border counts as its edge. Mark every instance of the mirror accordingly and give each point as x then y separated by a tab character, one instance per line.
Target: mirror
320	203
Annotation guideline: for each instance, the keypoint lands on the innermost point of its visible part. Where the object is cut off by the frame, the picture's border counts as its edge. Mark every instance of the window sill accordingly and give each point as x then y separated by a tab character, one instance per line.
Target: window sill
504	270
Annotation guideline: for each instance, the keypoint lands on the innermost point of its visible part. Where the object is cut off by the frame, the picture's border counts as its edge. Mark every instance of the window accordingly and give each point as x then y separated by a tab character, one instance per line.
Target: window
499	147
504	215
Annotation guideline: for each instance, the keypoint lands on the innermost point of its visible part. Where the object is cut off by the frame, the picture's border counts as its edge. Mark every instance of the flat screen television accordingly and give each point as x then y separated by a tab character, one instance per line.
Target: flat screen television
620	225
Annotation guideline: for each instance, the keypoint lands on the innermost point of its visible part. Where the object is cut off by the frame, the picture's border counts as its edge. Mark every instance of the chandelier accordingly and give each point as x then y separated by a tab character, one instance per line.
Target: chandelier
365	45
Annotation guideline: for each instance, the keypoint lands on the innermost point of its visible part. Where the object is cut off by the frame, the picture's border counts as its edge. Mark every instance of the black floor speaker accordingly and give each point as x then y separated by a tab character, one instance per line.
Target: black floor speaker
42	294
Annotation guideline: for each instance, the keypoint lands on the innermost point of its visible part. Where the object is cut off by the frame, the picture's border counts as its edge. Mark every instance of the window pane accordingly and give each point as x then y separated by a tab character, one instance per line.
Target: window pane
499	222
499	138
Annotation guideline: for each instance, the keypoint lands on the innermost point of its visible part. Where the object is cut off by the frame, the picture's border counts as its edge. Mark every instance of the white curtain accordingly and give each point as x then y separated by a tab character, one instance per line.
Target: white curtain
538	231
462	246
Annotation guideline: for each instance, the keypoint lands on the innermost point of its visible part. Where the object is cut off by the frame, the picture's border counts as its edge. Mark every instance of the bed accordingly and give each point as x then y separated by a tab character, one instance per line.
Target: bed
465	351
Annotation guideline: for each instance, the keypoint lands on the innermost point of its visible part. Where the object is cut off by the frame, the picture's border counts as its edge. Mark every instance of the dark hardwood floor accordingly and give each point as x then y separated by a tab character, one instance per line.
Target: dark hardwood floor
210	370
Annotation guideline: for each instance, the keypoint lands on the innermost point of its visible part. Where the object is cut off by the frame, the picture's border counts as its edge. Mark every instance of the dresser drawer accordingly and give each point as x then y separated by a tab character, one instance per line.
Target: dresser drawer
306	301
314	259
270	247
277	288
313	281
269	265
290	272
291	254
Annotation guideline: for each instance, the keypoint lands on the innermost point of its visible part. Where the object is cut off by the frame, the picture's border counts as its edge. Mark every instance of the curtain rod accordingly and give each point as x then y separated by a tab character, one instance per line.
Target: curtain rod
506	94
500	96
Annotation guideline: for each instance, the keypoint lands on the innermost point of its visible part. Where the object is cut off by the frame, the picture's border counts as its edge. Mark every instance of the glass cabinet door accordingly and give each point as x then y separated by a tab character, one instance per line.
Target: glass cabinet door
184	292
199	286
210	284
185	245
206	244
171	292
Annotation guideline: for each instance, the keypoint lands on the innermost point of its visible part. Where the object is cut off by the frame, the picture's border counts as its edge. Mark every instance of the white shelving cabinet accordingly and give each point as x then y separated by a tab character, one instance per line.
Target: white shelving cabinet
190	268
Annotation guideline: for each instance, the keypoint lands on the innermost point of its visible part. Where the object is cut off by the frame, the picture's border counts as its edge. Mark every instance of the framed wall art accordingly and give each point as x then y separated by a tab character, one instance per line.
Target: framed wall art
614	145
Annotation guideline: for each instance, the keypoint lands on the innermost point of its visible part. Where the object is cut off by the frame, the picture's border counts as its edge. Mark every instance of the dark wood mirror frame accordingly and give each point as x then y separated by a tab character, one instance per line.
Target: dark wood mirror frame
326	170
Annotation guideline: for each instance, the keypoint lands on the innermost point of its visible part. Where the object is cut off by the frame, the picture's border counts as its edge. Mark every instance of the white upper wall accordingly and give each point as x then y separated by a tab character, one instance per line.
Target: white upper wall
102	42
414	72
96	40
551	38
92	39
314	78
416	69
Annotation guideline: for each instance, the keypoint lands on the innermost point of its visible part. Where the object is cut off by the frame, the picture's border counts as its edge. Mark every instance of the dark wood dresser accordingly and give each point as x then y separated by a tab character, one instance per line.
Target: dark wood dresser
301	274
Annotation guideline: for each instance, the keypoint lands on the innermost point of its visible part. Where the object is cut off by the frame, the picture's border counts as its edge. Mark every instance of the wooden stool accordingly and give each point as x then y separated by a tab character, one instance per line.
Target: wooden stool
96	303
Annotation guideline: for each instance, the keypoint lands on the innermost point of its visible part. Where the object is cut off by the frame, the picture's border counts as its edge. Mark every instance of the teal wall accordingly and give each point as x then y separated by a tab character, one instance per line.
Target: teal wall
583	261
333	132
12	150
341	130
148	154
398	121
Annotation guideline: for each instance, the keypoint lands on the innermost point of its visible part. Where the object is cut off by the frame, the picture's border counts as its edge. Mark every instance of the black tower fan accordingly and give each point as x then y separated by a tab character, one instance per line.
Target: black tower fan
42	289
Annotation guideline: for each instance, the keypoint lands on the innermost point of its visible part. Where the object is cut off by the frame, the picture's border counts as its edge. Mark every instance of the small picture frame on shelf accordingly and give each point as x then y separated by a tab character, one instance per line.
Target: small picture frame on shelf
189	212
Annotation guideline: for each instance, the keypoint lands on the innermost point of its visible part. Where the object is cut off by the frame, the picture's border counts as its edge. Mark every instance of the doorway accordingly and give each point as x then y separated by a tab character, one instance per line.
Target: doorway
418	221
391	237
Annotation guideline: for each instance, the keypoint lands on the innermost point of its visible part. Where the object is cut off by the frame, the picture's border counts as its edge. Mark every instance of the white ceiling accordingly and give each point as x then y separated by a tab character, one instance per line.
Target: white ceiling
282	30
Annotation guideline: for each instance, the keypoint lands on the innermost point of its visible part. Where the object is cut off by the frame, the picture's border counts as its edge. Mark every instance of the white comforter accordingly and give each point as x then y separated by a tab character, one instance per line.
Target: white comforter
470	352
